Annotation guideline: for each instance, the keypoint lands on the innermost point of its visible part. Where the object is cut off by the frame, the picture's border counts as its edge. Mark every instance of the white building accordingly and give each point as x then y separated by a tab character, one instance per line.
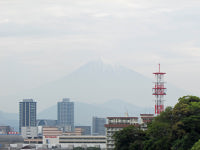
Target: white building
29	132
145	119
116	124
76	141
52	136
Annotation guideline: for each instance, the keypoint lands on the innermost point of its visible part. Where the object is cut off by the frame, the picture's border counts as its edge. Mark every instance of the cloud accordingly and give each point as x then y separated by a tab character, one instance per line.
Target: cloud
55	37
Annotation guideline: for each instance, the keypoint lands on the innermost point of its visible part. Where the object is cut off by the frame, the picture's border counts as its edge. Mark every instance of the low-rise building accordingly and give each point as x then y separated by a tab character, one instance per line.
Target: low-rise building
145	119
117	124
29	132
86	129
64	142
54	136
5	129
51	134
83	141
37	140
77	132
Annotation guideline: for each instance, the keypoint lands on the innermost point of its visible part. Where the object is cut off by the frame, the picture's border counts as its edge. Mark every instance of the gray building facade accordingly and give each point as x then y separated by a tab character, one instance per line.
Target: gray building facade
27	113
65	114
98	126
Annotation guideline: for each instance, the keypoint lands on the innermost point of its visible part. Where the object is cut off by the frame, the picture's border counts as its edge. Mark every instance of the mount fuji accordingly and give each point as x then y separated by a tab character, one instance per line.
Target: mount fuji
95	84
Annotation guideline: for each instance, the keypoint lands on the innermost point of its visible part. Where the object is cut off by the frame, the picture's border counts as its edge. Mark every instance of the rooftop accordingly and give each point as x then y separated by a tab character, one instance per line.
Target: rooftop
122	117
27	100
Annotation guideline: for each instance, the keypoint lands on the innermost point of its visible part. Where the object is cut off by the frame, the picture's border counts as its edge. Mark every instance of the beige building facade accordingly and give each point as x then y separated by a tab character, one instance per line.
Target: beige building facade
117	124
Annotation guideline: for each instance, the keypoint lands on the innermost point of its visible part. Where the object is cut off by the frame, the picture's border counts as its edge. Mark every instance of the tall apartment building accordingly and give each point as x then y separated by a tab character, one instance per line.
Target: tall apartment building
27	113
65	114
98	126
117	124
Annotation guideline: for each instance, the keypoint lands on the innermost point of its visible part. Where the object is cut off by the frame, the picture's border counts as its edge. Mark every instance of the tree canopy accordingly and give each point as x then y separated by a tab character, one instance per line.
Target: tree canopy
196	146
129	138
175	128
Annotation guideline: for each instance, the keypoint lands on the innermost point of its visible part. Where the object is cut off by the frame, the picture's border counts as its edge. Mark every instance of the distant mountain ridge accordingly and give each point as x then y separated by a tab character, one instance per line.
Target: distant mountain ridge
9	119
96	83
84	111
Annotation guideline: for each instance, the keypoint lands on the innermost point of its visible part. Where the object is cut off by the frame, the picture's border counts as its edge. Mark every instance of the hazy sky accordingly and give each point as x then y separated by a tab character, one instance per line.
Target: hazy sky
43	40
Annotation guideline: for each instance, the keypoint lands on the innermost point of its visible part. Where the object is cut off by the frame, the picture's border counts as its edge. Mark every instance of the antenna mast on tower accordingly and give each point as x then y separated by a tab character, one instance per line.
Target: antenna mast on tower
159	91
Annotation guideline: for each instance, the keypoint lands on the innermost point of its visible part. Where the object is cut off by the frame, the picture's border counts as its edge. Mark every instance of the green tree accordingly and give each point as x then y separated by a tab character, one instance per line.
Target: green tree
159	132
186	123
130	138
175	128
196	146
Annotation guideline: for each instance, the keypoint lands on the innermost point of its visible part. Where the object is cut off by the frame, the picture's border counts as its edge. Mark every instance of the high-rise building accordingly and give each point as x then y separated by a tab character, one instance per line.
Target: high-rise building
27	113
98	126
65	114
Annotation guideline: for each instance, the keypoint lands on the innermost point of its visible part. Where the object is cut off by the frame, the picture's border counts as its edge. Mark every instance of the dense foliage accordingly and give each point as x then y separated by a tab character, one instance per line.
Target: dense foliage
196	146
176	128
129	138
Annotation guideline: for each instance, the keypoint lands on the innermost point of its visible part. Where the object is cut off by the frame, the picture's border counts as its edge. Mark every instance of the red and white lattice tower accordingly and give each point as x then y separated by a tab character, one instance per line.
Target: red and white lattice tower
159	91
